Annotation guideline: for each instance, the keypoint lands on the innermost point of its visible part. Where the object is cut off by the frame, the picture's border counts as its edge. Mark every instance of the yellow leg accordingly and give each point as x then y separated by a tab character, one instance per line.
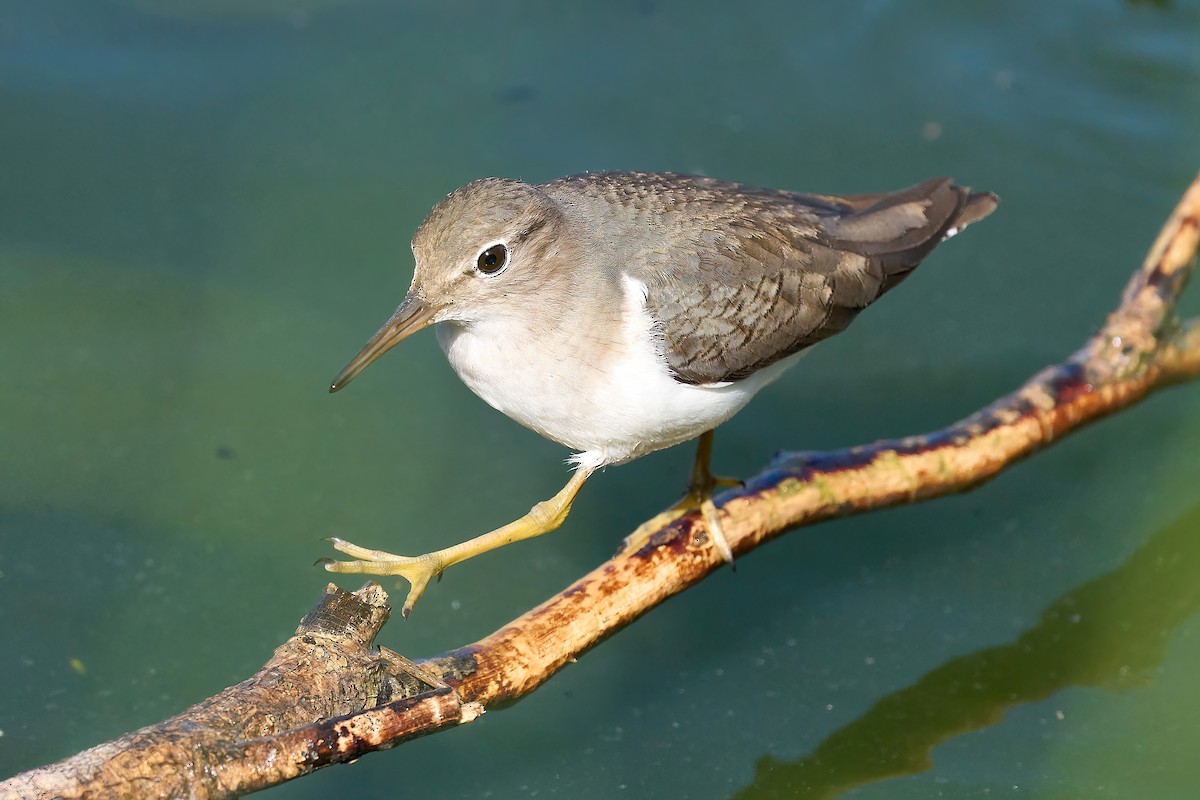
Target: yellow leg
699	496
418	570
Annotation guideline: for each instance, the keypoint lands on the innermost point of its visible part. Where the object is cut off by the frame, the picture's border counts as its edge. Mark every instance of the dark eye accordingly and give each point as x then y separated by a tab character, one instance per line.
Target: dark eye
492	260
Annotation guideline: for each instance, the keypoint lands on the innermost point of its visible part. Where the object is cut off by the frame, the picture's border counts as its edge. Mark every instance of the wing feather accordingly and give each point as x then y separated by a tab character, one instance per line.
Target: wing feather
739	277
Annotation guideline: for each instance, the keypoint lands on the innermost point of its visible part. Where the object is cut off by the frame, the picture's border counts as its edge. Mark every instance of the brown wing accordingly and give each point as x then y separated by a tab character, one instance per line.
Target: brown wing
767	273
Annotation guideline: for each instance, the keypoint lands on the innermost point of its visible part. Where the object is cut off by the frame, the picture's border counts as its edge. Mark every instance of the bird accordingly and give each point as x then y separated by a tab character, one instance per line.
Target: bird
621	313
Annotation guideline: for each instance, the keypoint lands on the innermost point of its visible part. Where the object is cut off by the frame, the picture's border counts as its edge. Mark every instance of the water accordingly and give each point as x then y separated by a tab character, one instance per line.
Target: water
205	211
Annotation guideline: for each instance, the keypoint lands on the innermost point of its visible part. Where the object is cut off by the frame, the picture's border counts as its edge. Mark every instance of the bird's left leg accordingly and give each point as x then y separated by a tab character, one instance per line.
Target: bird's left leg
699	497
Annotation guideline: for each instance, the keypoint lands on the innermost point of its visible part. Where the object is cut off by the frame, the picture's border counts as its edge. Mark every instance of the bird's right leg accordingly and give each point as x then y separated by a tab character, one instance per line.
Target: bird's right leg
419	570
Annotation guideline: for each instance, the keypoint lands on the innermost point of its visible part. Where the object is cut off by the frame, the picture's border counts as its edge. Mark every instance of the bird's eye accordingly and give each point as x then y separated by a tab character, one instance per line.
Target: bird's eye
492	260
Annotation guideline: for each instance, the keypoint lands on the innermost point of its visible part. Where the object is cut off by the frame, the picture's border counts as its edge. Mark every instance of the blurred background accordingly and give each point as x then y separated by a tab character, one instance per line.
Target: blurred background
205	211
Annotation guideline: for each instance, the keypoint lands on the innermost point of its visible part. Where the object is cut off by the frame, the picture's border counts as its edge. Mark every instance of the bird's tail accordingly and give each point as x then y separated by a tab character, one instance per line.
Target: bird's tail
901	228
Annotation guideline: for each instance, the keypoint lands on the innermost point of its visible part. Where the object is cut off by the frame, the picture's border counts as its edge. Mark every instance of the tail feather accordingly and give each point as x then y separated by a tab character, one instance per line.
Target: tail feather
900	228
977	206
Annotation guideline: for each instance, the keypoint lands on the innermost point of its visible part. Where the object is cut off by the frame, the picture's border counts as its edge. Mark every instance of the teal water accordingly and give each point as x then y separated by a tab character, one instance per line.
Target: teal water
206	209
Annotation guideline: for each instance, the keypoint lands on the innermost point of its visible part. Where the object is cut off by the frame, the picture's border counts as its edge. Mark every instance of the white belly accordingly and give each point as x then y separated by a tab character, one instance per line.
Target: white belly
611	398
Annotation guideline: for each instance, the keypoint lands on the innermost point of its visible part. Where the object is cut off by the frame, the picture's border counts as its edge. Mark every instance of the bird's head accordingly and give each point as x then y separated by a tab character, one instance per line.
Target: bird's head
485	248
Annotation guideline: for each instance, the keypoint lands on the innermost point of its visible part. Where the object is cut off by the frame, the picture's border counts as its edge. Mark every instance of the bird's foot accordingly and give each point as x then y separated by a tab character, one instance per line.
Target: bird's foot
716	534
698	498
417	570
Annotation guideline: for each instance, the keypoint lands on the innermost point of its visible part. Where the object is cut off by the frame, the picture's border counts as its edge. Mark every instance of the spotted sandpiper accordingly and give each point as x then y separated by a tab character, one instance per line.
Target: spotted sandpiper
621	313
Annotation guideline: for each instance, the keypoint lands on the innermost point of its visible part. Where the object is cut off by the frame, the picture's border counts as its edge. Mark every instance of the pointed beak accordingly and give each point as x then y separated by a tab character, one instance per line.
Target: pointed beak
412	315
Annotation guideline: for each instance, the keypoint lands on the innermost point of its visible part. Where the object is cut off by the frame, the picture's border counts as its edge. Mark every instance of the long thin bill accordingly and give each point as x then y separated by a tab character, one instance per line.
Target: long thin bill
412	315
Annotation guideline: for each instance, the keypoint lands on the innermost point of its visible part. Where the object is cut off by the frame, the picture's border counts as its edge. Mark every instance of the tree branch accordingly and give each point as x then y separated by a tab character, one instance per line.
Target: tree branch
328	696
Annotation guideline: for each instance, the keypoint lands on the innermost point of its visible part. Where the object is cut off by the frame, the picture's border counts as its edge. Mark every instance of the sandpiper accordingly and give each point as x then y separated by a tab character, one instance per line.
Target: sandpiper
621	313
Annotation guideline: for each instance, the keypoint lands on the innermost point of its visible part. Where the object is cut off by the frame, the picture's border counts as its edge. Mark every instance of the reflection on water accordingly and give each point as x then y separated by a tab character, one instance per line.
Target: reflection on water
1091	636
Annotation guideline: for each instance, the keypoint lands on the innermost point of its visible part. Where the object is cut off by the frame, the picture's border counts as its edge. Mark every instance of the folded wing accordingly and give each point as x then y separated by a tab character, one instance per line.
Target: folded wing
776	272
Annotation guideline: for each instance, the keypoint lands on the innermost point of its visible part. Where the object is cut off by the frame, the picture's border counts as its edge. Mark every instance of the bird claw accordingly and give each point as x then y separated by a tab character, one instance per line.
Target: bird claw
693	501
417	570
716	533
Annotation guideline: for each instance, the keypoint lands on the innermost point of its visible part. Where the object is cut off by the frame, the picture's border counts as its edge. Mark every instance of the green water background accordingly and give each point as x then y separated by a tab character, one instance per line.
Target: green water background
205	209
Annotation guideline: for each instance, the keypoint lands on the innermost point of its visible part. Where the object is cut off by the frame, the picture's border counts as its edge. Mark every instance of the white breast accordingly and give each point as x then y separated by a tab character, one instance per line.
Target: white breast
610	397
